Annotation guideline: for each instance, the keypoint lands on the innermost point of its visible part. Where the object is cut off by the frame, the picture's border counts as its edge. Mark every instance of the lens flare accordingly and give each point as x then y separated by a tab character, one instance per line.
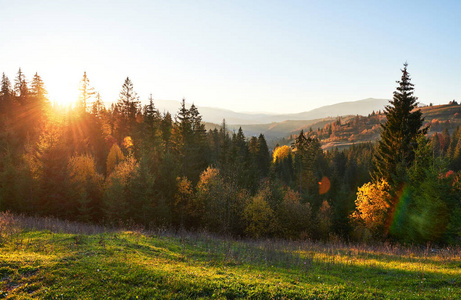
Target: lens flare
324	185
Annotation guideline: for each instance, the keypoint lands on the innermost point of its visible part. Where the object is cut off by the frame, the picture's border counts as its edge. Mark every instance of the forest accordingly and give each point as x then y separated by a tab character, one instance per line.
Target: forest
131	164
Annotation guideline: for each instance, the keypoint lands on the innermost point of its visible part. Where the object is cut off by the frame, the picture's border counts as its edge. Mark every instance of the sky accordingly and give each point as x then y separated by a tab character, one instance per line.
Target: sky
251	56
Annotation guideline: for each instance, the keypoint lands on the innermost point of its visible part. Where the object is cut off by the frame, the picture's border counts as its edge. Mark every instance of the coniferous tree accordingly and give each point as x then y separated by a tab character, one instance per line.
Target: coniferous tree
184	135
396	148
5	109
86	92
128	107
151	139
38	88
263	157
199	148
151	115
37	106
166	126
97	108
20	87
5	93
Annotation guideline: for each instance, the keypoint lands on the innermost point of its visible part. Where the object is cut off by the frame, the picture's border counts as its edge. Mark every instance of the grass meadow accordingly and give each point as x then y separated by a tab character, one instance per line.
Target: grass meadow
51	259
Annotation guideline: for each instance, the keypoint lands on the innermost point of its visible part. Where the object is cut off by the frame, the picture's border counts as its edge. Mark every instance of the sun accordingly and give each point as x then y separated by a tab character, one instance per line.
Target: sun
62	92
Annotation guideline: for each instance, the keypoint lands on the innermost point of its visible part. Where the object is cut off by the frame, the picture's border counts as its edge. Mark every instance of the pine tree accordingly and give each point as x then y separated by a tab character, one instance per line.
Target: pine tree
184	135
128	106
263	157
5	91
151	115
97	108
86	92
396	148
36	107
199	148
38	92
20	87
5	97
38	87
435	143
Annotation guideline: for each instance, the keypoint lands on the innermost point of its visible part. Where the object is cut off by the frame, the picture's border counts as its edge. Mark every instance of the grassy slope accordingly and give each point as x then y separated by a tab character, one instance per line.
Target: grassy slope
130	265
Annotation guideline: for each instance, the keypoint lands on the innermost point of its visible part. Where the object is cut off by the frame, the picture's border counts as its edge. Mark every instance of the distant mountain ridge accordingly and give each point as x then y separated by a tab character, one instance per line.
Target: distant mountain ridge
216	115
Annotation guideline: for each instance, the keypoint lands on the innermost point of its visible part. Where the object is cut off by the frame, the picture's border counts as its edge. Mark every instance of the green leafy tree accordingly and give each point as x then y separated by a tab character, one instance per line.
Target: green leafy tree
258	215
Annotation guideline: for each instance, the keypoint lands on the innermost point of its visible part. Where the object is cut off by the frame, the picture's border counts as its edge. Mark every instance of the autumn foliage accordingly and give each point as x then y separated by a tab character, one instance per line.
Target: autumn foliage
372	205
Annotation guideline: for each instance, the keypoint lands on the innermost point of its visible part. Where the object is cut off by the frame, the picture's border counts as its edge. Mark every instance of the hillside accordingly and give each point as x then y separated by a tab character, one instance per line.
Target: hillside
354	128
52	259
280	129
349	130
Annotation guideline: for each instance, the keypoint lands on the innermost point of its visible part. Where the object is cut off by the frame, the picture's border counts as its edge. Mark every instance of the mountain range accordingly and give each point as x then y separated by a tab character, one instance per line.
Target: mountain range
216	115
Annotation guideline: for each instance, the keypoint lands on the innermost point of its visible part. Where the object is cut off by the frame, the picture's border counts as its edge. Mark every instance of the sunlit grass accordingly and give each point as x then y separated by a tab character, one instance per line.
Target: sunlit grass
129	264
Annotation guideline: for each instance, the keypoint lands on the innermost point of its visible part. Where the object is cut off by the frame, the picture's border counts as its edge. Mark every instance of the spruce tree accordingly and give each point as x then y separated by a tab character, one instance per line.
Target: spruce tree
5	94
151	115
38	87
5	90
98	108
86	92
199	148
396	148
128	105
263	157
20	87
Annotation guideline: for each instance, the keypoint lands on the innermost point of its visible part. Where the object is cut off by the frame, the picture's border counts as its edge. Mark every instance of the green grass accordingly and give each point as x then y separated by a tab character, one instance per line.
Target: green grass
133	265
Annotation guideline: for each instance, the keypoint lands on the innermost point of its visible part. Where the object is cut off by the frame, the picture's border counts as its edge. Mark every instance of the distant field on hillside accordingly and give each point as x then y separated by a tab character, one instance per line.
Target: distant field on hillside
50	259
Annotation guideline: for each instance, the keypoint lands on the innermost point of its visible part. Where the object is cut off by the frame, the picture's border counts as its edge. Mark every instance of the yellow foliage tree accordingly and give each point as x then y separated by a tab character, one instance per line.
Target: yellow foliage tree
86	182
82	169
372	205
184	199
259	215
281	153
128	143
113	158
116	195
211	199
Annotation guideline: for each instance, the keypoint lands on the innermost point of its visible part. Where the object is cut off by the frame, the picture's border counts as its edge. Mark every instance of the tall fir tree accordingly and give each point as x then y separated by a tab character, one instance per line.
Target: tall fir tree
97	108
86	92
183	135
199	148
5	91
263	157
128	107
396	148
20	87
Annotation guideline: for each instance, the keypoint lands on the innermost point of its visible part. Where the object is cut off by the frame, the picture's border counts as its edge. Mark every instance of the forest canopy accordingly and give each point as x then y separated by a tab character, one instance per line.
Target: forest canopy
131	163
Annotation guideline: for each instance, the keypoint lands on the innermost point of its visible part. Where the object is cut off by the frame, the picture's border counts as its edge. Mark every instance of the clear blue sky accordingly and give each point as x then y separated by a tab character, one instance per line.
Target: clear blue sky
272	56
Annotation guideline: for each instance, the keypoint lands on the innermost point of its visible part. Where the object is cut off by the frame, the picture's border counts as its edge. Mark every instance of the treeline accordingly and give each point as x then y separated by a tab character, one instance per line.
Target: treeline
131	163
